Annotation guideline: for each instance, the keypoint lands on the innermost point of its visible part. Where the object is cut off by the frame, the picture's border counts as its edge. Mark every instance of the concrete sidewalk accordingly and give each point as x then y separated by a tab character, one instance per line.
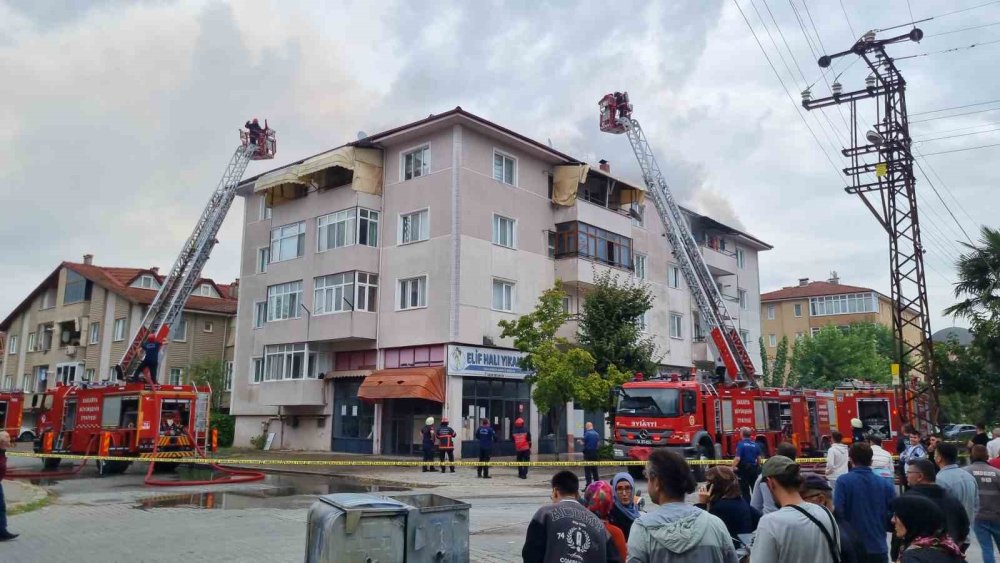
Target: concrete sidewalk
21	493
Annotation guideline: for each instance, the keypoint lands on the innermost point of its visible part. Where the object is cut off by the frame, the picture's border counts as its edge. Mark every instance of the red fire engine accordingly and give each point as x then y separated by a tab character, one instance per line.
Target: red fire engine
11	412
126	420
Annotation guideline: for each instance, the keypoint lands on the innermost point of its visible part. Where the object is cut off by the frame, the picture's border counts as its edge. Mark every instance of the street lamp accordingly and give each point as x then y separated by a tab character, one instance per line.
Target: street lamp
874	137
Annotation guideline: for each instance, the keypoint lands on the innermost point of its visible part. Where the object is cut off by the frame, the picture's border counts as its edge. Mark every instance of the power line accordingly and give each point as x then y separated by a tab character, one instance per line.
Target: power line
953	115
962	29
986	124
854	36
944	185
963	150
938	194
913	22
954	107
952	50
955	136
790	99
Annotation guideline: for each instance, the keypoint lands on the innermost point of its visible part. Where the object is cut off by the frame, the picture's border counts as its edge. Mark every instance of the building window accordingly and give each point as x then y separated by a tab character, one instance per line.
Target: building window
500	401
770	312
146	282
503	295
283	301
208	326
119	331
76	288
31	341
367	298
180	330
288	242
799	335
227	381
176	376
550	240
640	266
744	302
206	290
354	417
416	163
413	293
567	304
504	231
89	374
8	382
674	277
745	336
41	378
48	299
676	325
95	332
637	212
336	229
367	227
27	384
772	340
355	360
66	373
643	321
287	361
574	238
413	356
798	309
259	314
333	294
843	304
504	168
813	331
263	257
256	370
414	226
265	209
45	337
12	344
741	258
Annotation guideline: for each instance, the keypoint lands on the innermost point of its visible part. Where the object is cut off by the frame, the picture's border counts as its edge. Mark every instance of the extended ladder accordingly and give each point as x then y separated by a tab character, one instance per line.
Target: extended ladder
180	283
616	117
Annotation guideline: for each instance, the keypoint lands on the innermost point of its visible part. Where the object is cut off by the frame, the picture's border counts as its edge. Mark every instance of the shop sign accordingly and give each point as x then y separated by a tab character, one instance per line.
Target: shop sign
493	362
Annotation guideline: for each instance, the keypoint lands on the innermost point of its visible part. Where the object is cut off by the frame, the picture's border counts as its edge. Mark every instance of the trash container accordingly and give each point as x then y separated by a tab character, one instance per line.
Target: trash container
437	528
354	527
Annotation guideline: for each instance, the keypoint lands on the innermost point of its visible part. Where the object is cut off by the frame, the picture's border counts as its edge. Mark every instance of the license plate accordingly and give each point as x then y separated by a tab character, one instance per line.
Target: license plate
619	453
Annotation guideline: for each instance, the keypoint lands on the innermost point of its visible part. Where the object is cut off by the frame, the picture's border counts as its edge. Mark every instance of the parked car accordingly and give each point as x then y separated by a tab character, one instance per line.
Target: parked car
27	434
959	429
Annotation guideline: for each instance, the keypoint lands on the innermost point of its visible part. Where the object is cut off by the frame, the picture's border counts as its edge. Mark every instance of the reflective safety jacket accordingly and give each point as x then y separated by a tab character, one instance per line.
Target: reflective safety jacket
445	437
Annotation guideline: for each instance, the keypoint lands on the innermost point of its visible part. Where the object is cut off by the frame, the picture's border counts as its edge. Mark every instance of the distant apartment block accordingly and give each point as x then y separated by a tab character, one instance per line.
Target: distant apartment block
374	275
74	327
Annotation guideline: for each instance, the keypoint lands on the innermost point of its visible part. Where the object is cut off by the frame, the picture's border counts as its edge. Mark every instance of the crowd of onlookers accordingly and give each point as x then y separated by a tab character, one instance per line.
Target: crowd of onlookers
773	511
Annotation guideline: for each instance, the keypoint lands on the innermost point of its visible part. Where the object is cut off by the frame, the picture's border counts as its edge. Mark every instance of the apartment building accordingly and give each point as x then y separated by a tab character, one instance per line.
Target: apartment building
75	325
374	275
804	309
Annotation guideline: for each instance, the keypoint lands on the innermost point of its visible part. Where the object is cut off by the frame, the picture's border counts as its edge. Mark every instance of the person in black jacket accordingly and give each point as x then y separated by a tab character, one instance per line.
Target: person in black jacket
446	443
486	436
5	444
428	435
724	499
921	475
565	530
919	526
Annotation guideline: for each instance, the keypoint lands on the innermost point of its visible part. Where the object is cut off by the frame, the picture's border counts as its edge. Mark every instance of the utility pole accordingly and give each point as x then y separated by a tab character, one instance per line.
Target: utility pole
887	188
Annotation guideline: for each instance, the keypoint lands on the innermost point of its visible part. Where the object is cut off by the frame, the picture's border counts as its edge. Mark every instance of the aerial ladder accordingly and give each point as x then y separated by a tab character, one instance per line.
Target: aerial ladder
616	117
180	283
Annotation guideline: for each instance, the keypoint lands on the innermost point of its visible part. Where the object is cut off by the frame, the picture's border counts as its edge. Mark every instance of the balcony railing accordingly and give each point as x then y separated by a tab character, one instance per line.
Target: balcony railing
579	240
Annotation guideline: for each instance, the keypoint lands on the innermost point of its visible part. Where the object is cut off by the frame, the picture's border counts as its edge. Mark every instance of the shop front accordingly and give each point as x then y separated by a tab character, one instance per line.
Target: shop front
492	387
407	395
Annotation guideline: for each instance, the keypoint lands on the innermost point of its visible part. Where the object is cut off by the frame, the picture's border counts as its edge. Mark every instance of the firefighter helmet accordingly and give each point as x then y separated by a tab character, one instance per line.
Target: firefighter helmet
429	421
519	422
856	423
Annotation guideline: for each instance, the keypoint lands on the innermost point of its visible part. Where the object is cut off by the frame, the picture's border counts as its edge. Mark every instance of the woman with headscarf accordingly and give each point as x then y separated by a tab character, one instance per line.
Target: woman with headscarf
599	498
626	507
920	524
724	499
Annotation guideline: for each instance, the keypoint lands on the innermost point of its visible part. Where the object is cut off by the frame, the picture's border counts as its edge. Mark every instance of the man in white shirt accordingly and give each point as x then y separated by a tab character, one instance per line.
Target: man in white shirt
993	446
881	460
836	459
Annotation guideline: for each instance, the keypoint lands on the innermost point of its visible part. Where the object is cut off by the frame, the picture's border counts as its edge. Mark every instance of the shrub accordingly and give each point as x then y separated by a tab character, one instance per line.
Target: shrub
258	441
226	425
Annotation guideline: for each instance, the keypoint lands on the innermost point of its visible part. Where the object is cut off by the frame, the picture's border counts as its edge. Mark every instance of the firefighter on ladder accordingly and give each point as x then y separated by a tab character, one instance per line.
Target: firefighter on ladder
151	359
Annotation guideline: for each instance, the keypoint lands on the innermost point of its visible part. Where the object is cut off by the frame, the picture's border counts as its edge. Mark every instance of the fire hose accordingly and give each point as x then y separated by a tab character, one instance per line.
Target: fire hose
49	474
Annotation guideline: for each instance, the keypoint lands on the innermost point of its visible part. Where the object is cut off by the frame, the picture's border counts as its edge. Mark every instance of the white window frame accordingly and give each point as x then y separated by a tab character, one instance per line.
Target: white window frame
676	329
89	374
424	226
425	162
227	376
259	314
640	266
403	288
265	212
770	312
284	298
118	334
799	335
146	281
179	332
263	259
179	373
256	370
48	300
300	237
744	299
28	383
741	258
364	226
343	222
504	228
208	327
643	321
206	290
31	341
814	330
95	333
39	380
506	156
8	382
12	344
567	303
280	361
507	295
331	291
674	277
797	309
843	304
366	284
772	340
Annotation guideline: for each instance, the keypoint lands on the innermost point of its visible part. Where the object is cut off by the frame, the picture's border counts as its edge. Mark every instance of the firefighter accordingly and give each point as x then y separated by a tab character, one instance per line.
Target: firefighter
446	443
857	431
427	434
255	131
151	359
522	445
747	462
486	436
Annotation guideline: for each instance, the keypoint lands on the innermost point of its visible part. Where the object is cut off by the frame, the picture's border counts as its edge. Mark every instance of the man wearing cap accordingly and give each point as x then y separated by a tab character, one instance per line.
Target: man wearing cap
798	531
428	436
816	489
862	499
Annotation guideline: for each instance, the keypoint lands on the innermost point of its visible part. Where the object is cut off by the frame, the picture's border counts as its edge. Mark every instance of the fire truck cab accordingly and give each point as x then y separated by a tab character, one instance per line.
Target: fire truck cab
11	412
125	419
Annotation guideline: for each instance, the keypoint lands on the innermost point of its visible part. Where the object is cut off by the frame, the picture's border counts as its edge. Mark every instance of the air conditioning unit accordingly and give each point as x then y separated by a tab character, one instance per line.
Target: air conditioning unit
71	350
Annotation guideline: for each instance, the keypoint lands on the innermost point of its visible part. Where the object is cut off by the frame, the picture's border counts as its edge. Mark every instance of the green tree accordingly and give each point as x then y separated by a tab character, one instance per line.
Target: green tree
609	326
765	364
212	373
538	327
978	286
833	354
780	362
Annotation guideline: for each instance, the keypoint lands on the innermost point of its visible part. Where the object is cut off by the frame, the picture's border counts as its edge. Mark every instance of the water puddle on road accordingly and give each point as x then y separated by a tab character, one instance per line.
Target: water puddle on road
276	491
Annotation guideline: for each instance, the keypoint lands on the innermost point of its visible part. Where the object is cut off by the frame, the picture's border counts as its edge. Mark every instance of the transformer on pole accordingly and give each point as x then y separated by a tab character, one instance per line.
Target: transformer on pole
887	188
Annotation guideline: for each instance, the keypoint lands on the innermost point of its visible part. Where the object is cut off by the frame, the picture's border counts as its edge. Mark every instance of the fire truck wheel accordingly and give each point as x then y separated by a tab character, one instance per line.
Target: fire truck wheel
111	467
636	471
51	463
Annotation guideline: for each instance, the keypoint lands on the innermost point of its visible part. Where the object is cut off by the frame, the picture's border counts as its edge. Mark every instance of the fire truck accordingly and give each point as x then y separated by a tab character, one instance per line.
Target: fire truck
125	420
11	412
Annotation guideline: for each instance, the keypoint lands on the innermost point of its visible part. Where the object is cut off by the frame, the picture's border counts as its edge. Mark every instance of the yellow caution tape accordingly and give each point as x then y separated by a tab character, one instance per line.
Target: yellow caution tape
161	458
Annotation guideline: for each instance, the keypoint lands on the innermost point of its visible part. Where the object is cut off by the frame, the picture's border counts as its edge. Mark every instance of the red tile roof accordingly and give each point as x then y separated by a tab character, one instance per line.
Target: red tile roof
812	289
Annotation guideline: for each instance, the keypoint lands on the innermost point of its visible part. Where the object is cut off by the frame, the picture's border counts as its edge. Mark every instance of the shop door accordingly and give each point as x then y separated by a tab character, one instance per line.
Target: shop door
403	420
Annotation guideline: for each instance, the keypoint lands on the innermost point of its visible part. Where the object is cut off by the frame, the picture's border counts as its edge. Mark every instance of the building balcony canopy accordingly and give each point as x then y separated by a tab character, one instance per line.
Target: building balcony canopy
404	383
359	167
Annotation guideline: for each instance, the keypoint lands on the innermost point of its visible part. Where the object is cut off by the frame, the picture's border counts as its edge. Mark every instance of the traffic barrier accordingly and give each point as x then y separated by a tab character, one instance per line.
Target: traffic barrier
380	462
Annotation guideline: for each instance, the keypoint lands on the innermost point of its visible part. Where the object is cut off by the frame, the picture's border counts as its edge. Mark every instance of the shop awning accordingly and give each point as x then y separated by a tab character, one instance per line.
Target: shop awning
404	383
566	180
280	185
359	167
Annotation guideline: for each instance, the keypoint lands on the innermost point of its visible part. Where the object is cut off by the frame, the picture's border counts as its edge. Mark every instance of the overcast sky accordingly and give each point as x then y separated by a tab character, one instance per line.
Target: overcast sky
119	119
